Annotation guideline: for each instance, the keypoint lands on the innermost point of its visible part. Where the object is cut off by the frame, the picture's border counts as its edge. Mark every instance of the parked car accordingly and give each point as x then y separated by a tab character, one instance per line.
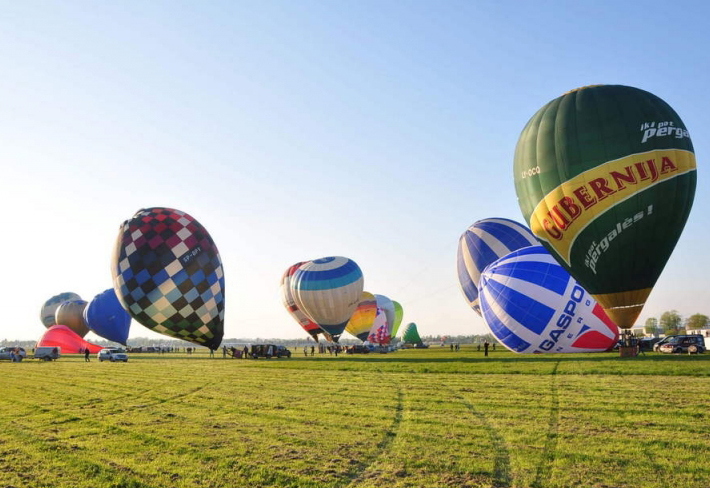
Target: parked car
268	351
684	343
5	352
48	353
665	340
357	349
112	354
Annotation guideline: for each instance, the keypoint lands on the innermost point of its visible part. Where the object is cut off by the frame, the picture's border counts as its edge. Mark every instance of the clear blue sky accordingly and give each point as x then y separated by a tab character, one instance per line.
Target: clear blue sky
377	130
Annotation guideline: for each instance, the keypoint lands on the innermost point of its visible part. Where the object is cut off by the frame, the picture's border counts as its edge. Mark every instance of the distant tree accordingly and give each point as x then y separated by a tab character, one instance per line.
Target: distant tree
697	321
670	322
651	326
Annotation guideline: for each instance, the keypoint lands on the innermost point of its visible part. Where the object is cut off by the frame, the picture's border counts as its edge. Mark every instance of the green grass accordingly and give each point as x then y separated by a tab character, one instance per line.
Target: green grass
413	418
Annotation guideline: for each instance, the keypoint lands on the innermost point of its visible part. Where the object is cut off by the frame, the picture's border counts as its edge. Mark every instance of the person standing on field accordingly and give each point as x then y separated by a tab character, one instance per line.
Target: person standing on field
485	348
86	355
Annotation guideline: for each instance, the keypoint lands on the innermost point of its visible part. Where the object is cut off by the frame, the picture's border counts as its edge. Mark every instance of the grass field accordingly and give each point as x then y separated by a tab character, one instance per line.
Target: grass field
412	418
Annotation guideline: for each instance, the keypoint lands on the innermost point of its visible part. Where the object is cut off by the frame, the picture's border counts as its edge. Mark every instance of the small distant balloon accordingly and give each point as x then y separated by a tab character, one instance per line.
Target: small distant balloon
484	242
71	314
532	305
167	273
364	316
49	308
107	318
328	290
298	315
410	334
387	307
398	315
379	332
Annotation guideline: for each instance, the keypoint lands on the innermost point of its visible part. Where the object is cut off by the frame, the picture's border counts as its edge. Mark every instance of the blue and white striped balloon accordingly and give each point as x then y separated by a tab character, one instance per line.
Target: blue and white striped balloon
532	305
484	242
328	290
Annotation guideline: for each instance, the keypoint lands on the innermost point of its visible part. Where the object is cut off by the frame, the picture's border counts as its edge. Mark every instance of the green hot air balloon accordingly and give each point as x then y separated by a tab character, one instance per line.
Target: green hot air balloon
605	176
410	335
398	314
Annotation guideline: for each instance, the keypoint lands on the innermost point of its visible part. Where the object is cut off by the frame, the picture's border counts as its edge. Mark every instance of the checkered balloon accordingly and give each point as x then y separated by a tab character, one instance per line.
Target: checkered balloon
168	275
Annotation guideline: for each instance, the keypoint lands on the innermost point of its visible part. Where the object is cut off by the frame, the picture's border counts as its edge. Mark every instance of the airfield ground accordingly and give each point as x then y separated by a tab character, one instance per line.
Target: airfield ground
425	418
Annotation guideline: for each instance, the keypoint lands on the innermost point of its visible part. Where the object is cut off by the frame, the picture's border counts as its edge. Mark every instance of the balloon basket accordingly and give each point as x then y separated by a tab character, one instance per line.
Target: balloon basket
628	351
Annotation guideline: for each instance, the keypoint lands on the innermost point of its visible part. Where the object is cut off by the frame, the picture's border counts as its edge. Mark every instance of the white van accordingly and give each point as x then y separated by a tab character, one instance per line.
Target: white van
48	353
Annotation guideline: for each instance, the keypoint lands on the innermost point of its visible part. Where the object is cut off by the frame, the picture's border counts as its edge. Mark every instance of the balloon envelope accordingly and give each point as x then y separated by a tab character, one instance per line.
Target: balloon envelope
387	307
107	318
71	314
532	305
299	315
605	175
167	273
363	317
398	314
49	308
484	242
379	332
328	290
70	342
410	334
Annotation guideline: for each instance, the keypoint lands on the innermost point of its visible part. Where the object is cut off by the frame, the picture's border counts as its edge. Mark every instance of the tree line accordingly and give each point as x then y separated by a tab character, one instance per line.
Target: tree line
671	322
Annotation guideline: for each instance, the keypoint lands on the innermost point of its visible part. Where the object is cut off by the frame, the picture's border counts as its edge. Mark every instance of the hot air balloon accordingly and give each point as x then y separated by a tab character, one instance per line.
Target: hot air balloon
398	314
167	273
379	332
363	317
387	307
106	317
328	290
484	242
71	314
50	307
290	304
70	342
532	305
410	335
605	175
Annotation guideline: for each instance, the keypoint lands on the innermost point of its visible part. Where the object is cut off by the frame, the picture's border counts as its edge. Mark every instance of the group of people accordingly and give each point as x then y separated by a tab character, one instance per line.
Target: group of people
16	355
234	352
322	349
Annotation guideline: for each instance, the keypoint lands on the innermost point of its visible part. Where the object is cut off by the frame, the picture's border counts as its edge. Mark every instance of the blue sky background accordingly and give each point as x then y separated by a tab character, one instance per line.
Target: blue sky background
377	130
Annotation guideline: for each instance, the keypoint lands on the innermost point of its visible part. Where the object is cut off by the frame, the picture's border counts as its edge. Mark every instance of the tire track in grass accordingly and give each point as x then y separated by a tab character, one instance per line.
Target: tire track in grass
502	477
355	477
549	452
